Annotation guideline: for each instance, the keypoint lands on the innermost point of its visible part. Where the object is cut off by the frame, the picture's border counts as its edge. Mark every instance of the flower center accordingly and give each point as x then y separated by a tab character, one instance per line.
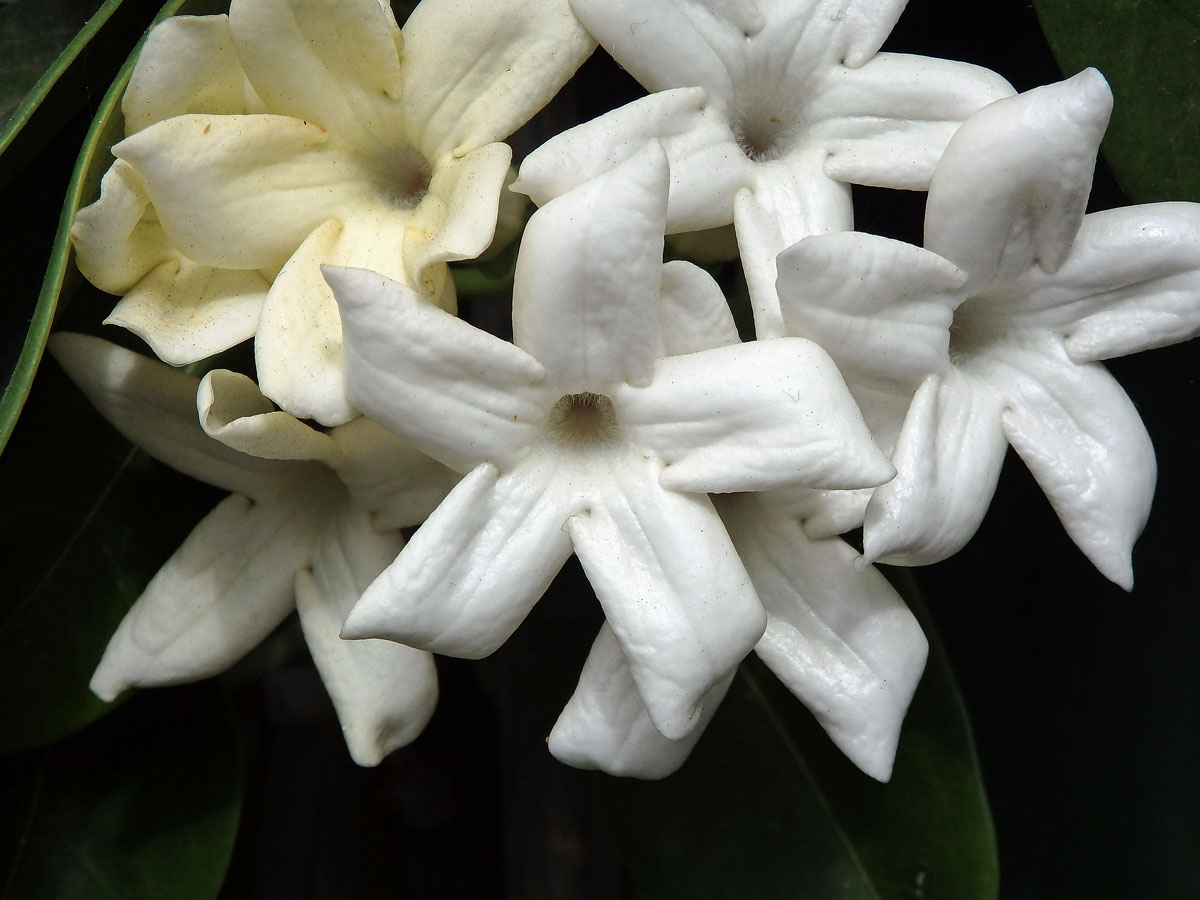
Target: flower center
761	138
401	177
583	421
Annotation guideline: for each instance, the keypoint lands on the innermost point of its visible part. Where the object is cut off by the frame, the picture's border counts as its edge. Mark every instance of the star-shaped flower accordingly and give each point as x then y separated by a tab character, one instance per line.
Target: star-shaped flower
306	530
323	134
995	331
583	435
766	109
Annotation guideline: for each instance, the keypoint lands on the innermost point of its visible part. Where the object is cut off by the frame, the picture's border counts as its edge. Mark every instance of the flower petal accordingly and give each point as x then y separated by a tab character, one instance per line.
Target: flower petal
888	122
234	412
838	636
947	459
1131	283
881	308
117	241
453	391
588	328
751	417
334	64
692	312
187	65
861	26
1084	443
707	167
605	725
475	569
791	199
399	485
220	594
475	70
1011	189
384	692
187	312
668	44
242	192
672	588
154	406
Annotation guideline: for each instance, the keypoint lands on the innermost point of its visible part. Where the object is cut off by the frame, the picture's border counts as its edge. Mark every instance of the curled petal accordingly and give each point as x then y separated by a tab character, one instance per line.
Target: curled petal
692	312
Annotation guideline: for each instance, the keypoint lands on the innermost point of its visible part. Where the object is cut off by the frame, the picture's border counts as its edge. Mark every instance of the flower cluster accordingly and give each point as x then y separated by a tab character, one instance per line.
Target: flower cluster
301	172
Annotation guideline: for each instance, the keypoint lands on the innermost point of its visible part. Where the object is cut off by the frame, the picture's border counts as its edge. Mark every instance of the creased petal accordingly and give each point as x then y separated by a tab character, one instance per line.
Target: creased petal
585	291
674	44
187	312
474	570
1084	443
861	25
881	308
475	70
707	167
751	417
692	312
242	192
791	199
888	122
399	485
154	406
220	594
234	412
384	692
838	636
1011	189
605	725
947	459
332	64
1131	283
672	588
187	65
116	241
451	390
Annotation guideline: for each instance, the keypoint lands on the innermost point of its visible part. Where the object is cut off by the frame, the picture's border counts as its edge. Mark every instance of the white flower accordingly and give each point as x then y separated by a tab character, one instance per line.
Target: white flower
291	535
318	132
766	108
997	337
582	437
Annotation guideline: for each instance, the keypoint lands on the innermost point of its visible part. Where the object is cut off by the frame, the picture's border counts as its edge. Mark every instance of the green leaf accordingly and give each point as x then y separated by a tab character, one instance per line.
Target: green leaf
1148	51
767	807
143	807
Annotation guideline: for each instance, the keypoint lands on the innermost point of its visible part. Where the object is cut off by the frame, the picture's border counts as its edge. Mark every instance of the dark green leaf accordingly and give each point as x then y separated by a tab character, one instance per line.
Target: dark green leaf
1149	50
767	807
142	807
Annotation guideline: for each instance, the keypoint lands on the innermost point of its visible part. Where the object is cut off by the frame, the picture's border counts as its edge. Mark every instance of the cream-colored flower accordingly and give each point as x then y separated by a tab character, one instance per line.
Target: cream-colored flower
294	133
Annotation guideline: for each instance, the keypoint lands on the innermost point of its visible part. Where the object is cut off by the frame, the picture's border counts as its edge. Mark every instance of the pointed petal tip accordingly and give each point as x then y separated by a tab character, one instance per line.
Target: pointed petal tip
107	684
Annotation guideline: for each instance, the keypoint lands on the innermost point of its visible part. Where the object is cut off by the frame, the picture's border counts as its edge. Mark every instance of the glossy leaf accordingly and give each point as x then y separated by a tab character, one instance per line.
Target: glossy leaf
144	806
767	807
1147	49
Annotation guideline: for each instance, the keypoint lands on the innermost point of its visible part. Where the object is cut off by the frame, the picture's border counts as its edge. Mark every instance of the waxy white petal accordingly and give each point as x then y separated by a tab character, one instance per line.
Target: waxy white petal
187	312
1084	443
187	65
673	590
474	570
605	725
838	636
692	312
752	417
451	390
881	308
224	590
154	406
334	65
888	122
1011	189
947	459
588	328
384	692
242	192
474	71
